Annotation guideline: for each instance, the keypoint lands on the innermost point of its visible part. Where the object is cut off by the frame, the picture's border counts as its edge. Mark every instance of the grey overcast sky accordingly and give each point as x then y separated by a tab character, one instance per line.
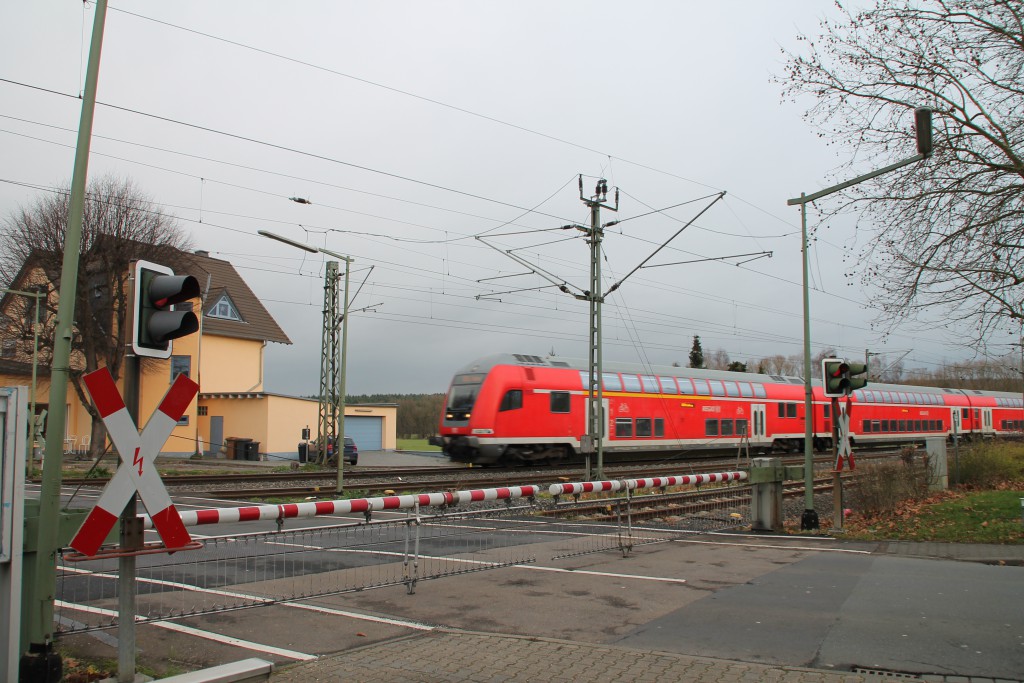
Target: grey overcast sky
414	127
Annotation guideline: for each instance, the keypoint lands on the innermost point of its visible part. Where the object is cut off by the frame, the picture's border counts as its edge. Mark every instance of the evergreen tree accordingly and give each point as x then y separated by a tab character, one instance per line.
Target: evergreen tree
696	353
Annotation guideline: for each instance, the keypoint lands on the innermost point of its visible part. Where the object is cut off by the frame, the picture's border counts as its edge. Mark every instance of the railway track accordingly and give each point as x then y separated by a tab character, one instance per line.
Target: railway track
405	479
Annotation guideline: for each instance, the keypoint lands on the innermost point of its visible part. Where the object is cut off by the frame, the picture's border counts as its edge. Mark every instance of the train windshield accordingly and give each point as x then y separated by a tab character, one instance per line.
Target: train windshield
463	393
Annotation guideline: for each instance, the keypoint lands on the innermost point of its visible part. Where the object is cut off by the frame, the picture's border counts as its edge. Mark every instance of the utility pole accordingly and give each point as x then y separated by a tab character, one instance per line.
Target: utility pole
330	359
596	424
596	420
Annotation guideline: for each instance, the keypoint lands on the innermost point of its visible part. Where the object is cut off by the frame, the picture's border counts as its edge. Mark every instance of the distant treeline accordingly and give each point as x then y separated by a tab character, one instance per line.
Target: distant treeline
418	414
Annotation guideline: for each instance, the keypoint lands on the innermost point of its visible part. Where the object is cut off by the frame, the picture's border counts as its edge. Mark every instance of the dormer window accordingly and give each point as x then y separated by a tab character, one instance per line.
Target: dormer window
224	309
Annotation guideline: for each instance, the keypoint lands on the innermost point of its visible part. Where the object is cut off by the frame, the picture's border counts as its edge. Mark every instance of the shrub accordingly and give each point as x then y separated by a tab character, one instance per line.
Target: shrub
882	486
987	464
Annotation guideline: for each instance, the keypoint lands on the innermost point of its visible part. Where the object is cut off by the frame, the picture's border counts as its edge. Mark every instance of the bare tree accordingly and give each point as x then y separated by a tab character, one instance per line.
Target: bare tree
949	232
120	224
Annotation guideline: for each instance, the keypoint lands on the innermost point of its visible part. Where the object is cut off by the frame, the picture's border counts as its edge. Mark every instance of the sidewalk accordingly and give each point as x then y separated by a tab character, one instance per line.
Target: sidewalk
446	655
463	657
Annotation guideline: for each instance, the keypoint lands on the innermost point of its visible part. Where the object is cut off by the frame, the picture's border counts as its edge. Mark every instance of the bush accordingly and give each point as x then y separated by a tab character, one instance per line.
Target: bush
883	486
987	464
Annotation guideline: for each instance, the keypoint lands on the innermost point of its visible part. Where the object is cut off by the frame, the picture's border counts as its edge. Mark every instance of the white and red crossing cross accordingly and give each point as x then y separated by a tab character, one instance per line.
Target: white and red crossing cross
138	453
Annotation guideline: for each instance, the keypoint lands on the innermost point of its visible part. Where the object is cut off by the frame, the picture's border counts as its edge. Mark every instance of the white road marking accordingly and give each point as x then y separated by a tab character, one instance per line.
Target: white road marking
199	633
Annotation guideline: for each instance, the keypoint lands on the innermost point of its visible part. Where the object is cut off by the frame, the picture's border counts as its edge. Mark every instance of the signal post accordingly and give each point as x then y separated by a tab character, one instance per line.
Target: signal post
841	378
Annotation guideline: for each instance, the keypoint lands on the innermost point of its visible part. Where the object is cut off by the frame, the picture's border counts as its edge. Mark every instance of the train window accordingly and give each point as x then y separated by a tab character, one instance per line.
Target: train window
885	425
903	425
623	427
866	427
700	386
659	426
876	426
512	400
630	382
828	411
782	410
559	401
650	384
685	386
887	397
977	414
731	389
611	381
917	425
965	413
741	427
643	426
939	425
746	391
668	385
710	427
904	398
726	427
716	388
759	391
790	410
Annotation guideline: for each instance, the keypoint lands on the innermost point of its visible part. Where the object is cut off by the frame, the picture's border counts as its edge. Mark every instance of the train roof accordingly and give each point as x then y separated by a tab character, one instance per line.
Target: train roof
487	362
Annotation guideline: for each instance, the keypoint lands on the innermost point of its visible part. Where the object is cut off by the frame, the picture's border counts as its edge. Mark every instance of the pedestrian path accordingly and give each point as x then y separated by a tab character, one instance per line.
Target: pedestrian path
443	656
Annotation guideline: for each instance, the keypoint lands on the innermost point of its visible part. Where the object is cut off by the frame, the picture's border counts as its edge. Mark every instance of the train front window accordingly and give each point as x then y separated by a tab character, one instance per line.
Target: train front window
462	395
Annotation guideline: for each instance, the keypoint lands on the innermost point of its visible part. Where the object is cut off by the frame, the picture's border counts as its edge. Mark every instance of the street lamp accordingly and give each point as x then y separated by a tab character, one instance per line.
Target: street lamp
331	420
923	130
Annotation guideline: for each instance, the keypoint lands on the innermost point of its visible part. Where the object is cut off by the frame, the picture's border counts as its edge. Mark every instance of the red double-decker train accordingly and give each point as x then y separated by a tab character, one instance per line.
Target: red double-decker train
519	409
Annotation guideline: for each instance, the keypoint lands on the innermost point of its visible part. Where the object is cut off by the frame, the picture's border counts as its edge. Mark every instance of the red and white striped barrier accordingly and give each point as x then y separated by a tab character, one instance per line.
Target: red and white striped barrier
576	488
254	513
137	471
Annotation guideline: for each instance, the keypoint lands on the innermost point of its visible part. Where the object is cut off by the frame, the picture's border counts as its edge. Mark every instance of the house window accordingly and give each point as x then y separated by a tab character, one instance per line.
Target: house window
224	308
559	401
202	411
181	365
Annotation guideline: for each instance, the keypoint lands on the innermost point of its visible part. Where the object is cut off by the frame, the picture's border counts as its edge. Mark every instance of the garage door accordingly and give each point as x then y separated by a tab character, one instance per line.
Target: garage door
365	431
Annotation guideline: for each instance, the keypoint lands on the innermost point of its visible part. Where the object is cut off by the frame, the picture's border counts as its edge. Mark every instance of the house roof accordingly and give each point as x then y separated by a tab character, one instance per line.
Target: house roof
256	322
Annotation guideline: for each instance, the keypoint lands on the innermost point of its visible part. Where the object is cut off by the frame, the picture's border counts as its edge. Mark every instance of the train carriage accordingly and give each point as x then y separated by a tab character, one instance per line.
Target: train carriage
514	408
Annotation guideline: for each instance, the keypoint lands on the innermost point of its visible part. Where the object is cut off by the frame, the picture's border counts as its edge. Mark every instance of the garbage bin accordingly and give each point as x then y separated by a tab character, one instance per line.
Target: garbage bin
303	451
240	448
252	450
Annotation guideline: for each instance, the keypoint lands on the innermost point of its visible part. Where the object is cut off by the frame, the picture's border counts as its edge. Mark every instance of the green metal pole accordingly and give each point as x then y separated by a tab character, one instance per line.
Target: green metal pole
41	594
341	383
810	517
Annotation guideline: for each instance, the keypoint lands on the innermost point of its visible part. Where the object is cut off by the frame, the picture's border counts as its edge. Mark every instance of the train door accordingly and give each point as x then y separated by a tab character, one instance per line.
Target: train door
758	431
603	421
986	421
957	425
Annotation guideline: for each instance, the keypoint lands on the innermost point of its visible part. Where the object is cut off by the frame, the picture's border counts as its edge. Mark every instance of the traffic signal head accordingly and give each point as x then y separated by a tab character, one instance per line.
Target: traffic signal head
923	130
840	378
856	377
157	290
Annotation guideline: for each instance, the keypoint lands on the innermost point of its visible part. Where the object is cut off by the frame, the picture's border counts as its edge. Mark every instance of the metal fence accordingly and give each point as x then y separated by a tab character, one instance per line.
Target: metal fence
454	533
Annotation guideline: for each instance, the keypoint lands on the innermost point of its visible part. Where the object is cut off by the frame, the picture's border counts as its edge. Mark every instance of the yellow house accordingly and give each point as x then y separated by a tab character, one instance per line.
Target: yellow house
226	359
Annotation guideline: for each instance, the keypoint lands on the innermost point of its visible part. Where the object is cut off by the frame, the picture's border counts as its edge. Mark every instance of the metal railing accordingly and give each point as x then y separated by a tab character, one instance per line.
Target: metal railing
427	536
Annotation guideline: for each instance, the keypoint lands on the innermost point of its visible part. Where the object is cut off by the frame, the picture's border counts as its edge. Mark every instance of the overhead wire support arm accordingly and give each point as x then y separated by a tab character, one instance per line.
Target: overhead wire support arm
754	254
561	284
666	242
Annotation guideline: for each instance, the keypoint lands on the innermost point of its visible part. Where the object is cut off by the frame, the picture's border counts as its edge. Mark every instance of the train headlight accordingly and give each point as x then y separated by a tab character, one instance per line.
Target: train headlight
449	416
